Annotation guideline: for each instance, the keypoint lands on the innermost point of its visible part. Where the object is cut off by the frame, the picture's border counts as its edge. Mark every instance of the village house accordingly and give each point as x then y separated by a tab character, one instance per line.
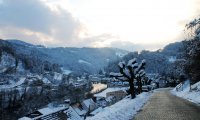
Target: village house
118	95
89	105
79	109
117	83
48	113
72	114
104	101
60	112
100	101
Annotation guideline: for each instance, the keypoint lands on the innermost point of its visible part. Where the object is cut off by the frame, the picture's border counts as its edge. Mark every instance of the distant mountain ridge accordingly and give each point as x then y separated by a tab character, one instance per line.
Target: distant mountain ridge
162	61
92	60
79	60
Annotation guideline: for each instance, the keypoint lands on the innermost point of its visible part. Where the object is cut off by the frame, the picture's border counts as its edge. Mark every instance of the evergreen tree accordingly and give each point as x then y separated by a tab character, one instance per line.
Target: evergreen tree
192	50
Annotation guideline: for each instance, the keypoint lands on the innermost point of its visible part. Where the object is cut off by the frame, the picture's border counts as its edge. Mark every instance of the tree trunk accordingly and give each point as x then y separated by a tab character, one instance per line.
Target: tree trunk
132	91
139	85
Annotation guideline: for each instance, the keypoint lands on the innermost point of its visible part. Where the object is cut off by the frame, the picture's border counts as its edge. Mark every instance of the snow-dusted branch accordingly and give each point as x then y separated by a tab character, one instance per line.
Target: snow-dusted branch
130	72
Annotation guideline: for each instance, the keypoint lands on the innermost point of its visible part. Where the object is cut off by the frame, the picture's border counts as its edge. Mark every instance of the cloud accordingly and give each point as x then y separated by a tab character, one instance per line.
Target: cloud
51	23
101	40
34	21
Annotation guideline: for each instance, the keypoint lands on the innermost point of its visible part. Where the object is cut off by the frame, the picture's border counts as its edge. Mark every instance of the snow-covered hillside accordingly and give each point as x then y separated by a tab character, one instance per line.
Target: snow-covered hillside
122	110
79	60
172	59
183	91
84	62
14	84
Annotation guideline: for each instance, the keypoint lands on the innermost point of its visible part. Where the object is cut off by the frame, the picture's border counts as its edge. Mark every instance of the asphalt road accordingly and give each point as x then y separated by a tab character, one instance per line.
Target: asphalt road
165	106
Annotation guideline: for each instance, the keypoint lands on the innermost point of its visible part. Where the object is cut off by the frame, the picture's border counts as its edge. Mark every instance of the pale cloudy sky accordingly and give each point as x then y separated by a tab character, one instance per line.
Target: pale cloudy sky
126	24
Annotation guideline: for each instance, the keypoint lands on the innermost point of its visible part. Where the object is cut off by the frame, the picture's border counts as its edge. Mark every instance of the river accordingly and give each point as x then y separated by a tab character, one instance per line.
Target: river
98	87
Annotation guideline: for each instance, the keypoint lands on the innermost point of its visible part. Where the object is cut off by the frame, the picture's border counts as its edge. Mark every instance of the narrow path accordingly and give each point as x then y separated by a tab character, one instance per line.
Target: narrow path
165	106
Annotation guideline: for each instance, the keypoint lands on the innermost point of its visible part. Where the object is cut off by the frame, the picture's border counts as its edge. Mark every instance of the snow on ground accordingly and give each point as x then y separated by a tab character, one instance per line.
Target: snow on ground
172	59
85	62
184	92
122	110
15	84
103	93
66	72
57	76
97	111
45	80
120	54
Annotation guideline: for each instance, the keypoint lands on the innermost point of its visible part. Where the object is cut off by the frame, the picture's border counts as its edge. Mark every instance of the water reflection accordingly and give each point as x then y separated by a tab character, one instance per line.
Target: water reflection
98	87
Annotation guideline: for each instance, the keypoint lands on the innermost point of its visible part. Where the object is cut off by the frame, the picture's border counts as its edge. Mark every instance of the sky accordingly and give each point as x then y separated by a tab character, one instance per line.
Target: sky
126	24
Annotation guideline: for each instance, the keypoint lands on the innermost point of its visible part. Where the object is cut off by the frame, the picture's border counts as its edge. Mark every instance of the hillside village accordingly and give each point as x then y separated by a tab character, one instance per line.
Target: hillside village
25	78
50	91
112	92
99	60
89	108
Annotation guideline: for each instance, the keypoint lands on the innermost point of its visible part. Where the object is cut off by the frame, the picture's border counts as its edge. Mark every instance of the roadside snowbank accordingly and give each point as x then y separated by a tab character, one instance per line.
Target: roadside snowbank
184	92
122	110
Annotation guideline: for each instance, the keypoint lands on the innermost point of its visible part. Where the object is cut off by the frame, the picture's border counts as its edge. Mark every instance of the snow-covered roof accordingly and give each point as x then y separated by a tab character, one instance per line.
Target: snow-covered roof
57	76
80	80
67	100
72	115
103	93
24	118
78	108
88	102
14	84
66	72
49	110
80	112
109	99
45	111
115	74
45	80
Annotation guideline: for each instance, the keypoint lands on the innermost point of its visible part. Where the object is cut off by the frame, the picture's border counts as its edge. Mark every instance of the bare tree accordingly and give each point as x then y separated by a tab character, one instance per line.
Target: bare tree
130	72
